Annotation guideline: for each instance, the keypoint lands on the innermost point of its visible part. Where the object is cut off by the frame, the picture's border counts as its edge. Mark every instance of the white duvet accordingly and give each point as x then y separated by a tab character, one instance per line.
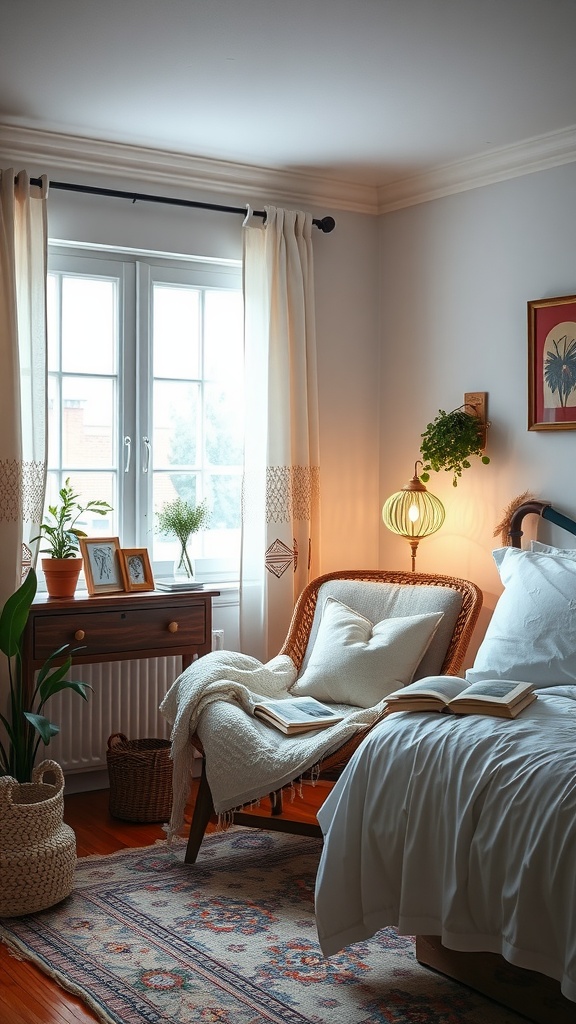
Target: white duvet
463	827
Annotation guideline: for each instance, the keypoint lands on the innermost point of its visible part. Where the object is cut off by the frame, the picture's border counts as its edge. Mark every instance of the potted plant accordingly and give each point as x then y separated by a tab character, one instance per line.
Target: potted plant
37	849
449	442
181	518
61	535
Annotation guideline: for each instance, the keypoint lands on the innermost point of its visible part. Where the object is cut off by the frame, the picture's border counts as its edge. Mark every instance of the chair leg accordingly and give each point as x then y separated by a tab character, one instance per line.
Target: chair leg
203	811
277	802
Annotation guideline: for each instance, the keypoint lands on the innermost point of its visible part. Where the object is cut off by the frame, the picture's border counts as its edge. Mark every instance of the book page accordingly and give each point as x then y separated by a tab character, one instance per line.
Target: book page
497	691
297	709
443	688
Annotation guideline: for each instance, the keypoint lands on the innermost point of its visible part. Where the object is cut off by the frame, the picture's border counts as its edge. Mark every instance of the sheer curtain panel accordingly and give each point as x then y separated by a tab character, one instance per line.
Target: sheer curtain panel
280	502
23	258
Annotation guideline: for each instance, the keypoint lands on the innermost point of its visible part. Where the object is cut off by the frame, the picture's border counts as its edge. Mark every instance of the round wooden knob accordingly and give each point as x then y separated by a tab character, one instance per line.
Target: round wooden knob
79	634
172	627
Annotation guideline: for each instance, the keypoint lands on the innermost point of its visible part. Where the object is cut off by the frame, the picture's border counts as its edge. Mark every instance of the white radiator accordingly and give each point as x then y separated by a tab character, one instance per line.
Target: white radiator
124	698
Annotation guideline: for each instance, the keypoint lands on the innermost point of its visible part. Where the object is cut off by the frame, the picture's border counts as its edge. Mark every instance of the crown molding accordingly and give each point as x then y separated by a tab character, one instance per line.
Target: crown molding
97	157
163	168
537	154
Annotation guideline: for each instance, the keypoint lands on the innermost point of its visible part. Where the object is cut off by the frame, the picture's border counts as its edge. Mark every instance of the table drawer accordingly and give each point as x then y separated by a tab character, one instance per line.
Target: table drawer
124	630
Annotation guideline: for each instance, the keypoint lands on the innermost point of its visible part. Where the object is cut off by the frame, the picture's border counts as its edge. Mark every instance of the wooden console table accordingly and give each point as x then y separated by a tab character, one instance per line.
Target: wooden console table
118	627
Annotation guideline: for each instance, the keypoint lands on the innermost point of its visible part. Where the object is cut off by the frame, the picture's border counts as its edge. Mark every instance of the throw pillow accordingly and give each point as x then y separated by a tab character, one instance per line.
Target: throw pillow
531	636
356	662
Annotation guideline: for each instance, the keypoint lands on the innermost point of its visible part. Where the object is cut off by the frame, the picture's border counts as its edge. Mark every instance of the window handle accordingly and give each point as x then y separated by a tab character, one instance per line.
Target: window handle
128	452
146	442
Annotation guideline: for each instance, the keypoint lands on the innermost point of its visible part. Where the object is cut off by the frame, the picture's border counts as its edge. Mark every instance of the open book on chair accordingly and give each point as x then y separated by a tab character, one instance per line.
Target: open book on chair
296	714
503	698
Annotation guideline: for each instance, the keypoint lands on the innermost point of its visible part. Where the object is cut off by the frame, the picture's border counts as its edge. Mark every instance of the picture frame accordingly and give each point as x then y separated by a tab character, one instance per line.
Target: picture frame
102	564
136	569
552	363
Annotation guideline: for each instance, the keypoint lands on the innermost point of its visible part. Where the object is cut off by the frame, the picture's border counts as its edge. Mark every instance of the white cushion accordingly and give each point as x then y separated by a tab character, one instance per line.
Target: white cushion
532	633
379	600
547	549
356	662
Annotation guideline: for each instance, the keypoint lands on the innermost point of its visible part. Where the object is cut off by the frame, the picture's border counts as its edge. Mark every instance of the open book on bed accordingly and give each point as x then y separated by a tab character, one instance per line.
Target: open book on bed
296	714
503	698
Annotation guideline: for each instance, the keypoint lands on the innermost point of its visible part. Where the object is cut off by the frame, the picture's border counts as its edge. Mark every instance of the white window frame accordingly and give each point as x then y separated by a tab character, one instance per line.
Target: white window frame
137	271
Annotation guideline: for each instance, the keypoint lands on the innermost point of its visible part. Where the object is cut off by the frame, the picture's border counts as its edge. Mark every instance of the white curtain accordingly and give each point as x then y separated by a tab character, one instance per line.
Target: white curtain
23	257
280	507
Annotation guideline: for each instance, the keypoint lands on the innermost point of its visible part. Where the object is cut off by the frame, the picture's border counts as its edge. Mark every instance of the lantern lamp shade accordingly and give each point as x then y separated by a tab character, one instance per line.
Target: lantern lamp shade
413	513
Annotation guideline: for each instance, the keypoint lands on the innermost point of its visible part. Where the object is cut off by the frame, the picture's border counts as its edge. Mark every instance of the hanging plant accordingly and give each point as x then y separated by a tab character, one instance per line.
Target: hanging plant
449	442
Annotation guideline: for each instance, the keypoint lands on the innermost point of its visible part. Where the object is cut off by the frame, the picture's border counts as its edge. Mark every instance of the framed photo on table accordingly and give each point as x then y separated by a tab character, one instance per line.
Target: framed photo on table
102	564
136	569
552	364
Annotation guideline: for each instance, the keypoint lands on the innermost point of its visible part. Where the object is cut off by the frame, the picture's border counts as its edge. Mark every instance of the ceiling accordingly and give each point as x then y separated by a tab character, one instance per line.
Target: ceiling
359	91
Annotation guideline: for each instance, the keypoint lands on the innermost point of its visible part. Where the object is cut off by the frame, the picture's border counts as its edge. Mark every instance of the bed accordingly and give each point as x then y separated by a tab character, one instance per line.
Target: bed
461	830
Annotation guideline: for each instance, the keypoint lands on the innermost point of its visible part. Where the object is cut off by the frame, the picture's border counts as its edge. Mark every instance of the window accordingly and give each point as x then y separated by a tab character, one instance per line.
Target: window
145	364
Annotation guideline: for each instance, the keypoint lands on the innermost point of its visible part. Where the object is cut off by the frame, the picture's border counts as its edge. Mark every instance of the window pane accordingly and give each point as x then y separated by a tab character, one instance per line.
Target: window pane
88	422
89	320
223	425
176	424
224	493
89	487
223	335
176	332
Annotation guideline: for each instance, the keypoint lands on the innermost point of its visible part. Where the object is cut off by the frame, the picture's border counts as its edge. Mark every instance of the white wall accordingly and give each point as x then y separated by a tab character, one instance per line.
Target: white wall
455	278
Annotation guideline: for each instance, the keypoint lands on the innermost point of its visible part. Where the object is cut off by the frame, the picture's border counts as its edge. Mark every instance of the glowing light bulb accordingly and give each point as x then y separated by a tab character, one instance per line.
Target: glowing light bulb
413	513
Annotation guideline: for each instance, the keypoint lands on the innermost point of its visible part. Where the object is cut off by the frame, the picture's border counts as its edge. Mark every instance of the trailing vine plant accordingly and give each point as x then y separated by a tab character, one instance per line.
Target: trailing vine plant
449	442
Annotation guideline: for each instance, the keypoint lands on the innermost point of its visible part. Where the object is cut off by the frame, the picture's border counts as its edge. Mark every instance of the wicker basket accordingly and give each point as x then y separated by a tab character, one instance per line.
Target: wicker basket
140	773
37	850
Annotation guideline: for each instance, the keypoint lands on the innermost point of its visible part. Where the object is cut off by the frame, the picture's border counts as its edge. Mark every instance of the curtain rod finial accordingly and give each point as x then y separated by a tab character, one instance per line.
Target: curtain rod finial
327	224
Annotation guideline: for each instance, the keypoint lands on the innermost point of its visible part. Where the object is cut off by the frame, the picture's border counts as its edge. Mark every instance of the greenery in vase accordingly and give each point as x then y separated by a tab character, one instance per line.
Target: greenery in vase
25	724
60	533
180	518
449	441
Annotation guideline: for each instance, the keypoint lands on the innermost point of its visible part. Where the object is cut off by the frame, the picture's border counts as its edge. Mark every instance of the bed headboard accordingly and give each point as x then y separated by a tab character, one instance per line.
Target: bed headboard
541	508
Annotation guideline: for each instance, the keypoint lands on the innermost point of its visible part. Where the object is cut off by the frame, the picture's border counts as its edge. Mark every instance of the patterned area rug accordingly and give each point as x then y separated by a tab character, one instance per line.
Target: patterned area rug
147	939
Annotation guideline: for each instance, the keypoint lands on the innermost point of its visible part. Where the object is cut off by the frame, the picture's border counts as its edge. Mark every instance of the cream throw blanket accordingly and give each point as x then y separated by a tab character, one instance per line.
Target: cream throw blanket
245	759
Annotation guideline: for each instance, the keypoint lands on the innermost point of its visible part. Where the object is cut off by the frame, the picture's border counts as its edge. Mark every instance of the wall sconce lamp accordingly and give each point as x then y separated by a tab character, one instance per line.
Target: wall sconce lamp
413	513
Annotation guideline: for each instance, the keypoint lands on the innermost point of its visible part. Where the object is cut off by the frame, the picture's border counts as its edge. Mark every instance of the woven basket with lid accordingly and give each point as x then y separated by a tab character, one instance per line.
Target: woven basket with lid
37	850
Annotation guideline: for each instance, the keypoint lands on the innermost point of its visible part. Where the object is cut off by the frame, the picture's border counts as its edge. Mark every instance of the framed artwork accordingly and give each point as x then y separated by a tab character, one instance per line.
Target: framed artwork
102	564
552	364
136	569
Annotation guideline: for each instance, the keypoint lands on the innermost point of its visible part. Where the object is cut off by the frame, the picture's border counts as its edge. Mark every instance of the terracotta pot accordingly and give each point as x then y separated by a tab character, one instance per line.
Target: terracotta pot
61	575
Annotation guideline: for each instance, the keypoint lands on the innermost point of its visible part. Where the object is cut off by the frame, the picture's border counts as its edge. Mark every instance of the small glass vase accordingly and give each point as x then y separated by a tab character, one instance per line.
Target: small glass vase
184	568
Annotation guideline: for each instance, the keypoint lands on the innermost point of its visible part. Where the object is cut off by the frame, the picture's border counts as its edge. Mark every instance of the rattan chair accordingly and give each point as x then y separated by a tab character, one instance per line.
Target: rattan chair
295	646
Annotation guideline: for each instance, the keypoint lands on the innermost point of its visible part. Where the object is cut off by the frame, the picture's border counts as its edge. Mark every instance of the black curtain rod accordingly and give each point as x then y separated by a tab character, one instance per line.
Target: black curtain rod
326	224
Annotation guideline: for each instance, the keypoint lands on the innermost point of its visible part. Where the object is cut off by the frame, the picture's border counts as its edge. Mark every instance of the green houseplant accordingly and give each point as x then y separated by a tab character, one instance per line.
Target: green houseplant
449	442
180	518
60	535
25	723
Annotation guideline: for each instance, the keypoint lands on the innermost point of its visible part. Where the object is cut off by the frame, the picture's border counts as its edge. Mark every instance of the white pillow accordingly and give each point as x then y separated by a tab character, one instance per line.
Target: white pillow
547	549
356	662
532	633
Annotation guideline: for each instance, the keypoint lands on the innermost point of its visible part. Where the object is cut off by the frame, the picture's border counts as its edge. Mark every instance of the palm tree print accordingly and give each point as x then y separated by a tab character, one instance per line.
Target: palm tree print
560	368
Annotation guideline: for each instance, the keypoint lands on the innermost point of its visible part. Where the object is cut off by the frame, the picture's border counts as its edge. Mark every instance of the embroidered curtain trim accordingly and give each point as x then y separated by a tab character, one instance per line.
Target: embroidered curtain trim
21	491
292	492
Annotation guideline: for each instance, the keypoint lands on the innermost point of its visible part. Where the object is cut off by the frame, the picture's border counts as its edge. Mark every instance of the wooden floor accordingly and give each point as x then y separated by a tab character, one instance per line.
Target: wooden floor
27	996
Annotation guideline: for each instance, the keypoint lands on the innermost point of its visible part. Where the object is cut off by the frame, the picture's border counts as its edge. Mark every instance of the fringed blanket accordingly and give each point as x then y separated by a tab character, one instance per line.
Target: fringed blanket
245	758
